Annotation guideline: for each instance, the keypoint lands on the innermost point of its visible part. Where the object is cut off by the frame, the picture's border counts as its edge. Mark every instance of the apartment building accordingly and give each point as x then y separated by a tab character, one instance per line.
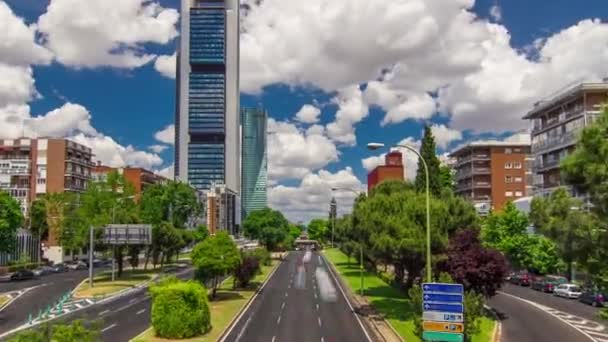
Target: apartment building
491	173
139	177
392	169
556	124
32	167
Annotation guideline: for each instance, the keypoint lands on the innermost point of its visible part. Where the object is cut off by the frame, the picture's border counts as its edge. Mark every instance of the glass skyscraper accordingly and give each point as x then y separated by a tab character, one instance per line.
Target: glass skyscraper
207	115
253	157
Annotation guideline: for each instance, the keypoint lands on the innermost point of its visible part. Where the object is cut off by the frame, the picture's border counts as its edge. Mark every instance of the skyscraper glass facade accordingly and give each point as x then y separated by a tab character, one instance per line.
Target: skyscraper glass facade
253	158
207	94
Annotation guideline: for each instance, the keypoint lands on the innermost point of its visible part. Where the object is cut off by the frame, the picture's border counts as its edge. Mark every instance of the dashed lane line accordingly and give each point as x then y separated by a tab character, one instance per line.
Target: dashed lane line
319	320
140	311
279	320
108	327
104	312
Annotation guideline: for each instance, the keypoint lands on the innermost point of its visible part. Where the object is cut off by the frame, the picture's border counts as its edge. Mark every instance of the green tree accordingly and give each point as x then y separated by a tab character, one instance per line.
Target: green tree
11	218
428	151
446	178
38	225
200	233
214	258
561	218
318	229
267	226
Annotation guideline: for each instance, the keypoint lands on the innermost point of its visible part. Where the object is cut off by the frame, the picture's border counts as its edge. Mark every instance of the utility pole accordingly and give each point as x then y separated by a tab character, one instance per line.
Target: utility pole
91	249
332	216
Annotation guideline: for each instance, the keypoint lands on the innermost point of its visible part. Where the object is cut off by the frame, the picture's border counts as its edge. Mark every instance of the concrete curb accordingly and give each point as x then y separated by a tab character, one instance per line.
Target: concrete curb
497	332
228	329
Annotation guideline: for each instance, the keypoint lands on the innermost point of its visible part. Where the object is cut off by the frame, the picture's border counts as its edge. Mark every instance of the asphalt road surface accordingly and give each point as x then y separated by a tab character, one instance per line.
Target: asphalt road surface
523	322
48	290
573	307
293	307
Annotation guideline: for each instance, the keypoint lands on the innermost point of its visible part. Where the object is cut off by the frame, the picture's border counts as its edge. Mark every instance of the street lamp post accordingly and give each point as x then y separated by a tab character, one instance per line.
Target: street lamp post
362	287
375	146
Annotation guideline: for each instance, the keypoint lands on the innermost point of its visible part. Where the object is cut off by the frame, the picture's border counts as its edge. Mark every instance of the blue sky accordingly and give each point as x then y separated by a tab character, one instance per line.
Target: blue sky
130	103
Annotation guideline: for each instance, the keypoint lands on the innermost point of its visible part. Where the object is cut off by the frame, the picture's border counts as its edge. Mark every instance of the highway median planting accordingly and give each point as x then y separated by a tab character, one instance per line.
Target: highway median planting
103	286
388	301
223	308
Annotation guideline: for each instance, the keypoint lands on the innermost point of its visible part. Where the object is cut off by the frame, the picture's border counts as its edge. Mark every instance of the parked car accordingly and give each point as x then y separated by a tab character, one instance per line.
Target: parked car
593	297
553	281
77	265
22	275
58	268
567	291
539	284
522	279
44	270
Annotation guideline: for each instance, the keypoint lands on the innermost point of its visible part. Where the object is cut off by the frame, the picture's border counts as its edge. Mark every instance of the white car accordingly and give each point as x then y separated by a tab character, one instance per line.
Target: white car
567	291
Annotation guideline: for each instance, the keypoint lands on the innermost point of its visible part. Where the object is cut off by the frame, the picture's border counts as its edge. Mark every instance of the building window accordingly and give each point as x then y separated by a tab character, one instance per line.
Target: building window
41	181
518	194
517	165
508	150
508	166
508	179
517	150
509	193
518	180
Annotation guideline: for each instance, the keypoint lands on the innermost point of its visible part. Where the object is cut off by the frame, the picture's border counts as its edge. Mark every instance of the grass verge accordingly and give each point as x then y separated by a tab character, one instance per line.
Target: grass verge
224	308
104	286
3	300
390	302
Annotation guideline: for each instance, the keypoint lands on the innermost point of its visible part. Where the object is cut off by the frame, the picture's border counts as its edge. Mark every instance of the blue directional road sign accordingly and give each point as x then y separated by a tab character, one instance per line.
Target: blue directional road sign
443	298
451	307
442	288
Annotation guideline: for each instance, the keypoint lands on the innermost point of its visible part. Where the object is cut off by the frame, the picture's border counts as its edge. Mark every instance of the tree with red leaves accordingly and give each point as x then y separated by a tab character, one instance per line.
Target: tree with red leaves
469	263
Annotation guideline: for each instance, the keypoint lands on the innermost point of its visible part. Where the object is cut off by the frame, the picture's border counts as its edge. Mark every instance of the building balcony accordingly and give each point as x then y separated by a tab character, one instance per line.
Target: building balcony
80	161
472	157
468	173
70	173
547	165
556	143
556	121
18	172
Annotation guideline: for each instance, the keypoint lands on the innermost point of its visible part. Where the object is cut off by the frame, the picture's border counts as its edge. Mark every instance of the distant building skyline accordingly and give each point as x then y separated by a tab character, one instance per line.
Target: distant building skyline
254	171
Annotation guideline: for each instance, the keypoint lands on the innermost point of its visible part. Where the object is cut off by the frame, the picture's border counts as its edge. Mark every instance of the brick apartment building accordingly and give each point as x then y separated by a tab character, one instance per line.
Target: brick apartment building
491	173
556	124
32	167
393	169
139	177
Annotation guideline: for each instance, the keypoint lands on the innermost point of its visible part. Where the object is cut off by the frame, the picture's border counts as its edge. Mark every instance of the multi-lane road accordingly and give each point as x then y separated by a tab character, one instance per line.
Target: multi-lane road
299	304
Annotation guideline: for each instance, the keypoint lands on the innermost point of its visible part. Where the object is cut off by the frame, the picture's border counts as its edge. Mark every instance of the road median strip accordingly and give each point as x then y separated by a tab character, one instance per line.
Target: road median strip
225	310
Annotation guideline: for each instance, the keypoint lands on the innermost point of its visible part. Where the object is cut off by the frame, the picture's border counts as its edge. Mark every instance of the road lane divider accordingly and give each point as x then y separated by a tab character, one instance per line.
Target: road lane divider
246	307
108	327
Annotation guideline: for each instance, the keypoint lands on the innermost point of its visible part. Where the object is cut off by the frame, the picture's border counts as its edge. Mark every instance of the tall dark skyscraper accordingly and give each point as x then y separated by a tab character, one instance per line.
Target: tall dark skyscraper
253	157
207	118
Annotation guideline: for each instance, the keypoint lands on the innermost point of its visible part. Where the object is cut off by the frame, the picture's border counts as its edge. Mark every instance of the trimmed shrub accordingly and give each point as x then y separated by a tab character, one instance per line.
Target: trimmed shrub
180	309
263	256
249	267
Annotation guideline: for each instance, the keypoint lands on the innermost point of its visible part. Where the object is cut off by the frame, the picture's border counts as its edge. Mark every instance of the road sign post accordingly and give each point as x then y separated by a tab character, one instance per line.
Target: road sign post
125	235
443	312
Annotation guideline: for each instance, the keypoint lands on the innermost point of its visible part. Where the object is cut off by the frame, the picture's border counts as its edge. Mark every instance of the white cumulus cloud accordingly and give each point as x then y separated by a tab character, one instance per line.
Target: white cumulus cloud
308	114
352	109
158	148
166	135
496	13
445	135
106	33
166	65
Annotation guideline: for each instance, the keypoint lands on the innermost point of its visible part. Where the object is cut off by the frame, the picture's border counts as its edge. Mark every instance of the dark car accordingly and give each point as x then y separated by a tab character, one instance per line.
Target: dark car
58	268
43	270
539	284
22	275
522	279
593	297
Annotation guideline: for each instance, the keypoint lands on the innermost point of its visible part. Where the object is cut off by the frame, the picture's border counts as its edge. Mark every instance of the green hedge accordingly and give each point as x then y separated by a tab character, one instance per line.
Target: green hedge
180	309
29	266
262	254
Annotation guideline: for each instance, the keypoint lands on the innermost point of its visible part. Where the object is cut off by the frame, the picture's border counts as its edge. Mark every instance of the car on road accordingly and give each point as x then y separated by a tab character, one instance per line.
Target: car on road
44	270
553	281
59	268
521	279
567	291
593	297
77	265
22	275
539	284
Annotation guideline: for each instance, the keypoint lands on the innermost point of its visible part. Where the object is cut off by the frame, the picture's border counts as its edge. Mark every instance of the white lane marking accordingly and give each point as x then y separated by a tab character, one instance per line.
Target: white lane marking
243	329
132	300
319	320
140	311
320	263
104	312
286	294
322	339
124	307
283	306
279	319
108	327
543	309
331	271
315	295
317	307
273	338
